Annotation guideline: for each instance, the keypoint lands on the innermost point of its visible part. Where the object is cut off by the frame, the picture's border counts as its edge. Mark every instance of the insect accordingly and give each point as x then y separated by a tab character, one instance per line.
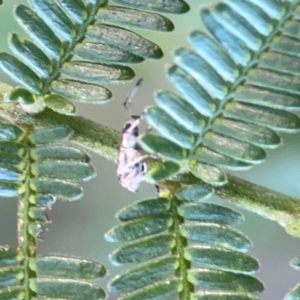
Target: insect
131	168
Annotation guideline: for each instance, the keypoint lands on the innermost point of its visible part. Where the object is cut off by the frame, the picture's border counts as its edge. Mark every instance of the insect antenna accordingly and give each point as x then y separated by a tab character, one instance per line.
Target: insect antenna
127	102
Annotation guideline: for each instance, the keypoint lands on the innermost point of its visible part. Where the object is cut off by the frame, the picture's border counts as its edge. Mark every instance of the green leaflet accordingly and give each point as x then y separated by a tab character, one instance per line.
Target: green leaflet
96	2
34	229
291	28
180	111
144	275
238	50
217	235
12	147
213	279
81	91
31	54
8	256
207	173
234	148
67	288
151	207
39	214
63	189
139	228
251	133
64	170
132	42
143	250
279	61
93	73
155	144
55	17
20	72
163	171
75	8
162	291
216	56
267	97
168	127
221	259
131	17
242	30
193	92
208	78
42	200
285	45
293	293
295	263
67	267
47	298
60	104
276	118
10	132
51	135
194	193
10	275
39	31
101	52
206	155
222	296
58	152
8	189
271	79
21	95
169	6
11	293
208	212
10	159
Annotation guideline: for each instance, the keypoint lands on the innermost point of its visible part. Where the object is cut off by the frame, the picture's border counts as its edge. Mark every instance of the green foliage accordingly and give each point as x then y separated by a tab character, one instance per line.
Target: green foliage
235	89
94	31
189	244
38	170
57	277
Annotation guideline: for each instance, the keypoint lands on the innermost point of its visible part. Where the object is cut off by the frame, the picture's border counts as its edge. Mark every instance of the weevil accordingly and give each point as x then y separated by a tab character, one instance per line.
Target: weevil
131	167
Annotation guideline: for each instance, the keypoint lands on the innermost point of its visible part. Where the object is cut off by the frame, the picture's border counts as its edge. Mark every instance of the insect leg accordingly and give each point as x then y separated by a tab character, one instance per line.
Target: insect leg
137	160
149	129
133	125
127	102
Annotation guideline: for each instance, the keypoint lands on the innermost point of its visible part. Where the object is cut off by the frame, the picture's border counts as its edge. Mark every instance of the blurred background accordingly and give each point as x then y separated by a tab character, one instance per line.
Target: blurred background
78	227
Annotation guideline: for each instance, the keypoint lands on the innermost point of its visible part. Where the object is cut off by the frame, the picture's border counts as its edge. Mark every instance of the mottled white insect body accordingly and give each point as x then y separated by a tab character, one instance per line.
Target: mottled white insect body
131	168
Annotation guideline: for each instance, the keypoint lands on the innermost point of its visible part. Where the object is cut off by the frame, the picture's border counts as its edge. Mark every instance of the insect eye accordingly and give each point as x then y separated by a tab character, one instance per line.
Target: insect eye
126	127
144	167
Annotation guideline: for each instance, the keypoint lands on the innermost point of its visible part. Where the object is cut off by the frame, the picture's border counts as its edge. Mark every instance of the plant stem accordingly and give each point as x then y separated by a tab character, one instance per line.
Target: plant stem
27	243
105	141
270	204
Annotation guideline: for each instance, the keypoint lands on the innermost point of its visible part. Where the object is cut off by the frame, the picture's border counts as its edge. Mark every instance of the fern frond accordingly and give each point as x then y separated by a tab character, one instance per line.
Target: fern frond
183	248
236	90
56	276
93	31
